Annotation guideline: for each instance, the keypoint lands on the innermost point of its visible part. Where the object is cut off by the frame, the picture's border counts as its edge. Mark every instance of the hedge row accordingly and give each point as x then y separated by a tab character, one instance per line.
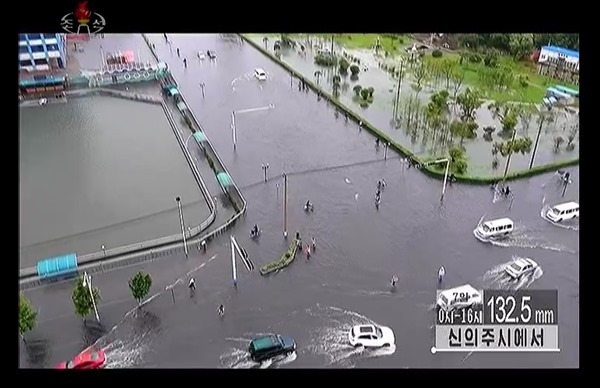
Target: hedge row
429	170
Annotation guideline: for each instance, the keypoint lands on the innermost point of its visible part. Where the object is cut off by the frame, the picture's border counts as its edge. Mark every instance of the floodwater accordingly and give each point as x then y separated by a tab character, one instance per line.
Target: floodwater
359	248
100	171
420	141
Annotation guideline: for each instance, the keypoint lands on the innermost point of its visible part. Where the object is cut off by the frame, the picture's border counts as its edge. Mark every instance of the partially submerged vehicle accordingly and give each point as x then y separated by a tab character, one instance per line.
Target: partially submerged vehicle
270	346
371	336
494	229
521	267
563	212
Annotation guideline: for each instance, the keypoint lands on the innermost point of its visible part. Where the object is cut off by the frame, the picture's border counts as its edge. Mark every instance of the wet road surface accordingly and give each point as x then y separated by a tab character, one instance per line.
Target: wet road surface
359	248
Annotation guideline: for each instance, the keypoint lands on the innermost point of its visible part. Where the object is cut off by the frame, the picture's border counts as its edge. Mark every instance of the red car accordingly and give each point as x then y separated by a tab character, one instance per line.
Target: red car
88	359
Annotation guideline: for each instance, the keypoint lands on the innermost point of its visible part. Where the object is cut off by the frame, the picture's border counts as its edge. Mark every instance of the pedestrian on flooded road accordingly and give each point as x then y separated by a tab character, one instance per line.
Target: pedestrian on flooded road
192	284
178	54
314	244
307	252
185	62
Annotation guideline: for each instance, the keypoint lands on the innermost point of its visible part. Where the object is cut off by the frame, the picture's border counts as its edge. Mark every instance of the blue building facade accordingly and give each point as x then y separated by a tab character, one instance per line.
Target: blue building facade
42	52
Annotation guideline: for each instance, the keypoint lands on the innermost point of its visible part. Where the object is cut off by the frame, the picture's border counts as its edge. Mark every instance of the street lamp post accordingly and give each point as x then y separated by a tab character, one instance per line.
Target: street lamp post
447	161
235	112
233	130
87	282
265	167
178	200
285	188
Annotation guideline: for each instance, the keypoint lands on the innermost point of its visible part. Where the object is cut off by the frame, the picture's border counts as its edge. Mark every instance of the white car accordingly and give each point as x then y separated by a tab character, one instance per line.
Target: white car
371	336
260	74
521	267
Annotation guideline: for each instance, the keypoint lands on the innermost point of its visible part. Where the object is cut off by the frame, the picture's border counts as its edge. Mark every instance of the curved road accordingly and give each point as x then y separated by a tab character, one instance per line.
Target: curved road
359	248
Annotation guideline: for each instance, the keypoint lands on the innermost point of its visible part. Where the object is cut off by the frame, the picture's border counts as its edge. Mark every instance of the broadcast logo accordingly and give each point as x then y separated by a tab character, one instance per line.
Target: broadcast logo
83	21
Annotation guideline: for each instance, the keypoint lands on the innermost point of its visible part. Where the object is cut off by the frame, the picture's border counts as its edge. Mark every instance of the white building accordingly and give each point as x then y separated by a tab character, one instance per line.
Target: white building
555	55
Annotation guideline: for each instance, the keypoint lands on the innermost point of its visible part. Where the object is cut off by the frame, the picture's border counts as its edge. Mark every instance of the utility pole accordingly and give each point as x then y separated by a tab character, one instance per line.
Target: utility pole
542	119
265	167
285	200
397	102
178	200
233	130
331	44
512	139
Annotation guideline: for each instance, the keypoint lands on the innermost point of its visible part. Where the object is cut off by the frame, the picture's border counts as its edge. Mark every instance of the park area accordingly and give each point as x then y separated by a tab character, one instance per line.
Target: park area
481	108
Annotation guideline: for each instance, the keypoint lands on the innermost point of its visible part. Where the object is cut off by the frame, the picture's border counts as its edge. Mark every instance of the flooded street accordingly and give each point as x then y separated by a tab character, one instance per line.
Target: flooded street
359	248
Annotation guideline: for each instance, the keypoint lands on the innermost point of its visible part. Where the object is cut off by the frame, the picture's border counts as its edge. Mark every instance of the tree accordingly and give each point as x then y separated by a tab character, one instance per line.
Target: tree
507	148
344	65
525	116
357	90
82	299
462	129
318	75
457	78
447	67
469	101
520	45
354	69
140	285
508	113
27	316
336	85
544	117
420	73
266	42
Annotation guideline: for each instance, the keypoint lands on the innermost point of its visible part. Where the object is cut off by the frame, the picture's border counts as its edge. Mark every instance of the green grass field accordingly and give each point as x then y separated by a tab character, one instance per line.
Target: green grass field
533	93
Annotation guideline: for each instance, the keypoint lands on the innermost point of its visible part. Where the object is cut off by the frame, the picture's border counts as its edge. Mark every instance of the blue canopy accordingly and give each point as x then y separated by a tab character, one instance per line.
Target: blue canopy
199	136
224	179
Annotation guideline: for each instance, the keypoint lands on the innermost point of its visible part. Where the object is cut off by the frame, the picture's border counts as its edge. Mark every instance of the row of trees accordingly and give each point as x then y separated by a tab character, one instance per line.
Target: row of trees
139	285
517	45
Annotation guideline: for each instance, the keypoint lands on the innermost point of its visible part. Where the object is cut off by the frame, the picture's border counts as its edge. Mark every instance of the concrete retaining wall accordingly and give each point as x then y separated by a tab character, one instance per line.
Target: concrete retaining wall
146	245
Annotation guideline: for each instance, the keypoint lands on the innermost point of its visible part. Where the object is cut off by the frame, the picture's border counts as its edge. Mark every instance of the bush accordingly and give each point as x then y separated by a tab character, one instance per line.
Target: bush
460	166
523	80
491	59
474	58
437	53
354	77
364	93
344	65
357	90
325	60
354	69
370	90
456	153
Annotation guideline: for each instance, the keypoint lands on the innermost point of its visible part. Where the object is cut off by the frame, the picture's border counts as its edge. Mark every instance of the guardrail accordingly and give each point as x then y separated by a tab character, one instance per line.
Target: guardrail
139	252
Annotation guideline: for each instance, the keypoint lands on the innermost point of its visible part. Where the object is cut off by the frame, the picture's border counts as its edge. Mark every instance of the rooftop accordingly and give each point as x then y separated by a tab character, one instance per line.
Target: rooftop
562	50
498	222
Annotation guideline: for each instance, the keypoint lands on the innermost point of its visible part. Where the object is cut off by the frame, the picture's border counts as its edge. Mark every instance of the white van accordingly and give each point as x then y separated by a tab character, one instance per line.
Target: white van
459	297
563	212
494	229
260	74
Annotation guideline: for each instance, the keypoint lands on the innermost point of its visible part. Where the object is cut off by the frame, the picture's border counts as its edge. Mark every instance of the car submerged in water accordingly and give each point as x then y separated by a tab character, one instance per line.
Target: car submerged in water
270	346
371	336
521	267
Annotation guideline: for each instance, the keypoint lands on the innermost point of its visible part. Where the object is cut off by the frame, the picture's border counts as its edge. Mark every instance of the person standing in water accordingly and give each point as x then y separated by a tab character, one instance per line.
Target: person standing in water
178	53
441	274
314	244
307	252
192	284
394	280
221	310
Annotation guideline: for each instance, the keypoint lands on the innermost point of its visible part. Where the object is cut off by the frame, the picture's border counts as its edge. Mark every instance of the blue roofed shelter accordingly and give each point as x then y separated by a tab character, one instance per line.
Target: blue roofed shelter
57	266
559	63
